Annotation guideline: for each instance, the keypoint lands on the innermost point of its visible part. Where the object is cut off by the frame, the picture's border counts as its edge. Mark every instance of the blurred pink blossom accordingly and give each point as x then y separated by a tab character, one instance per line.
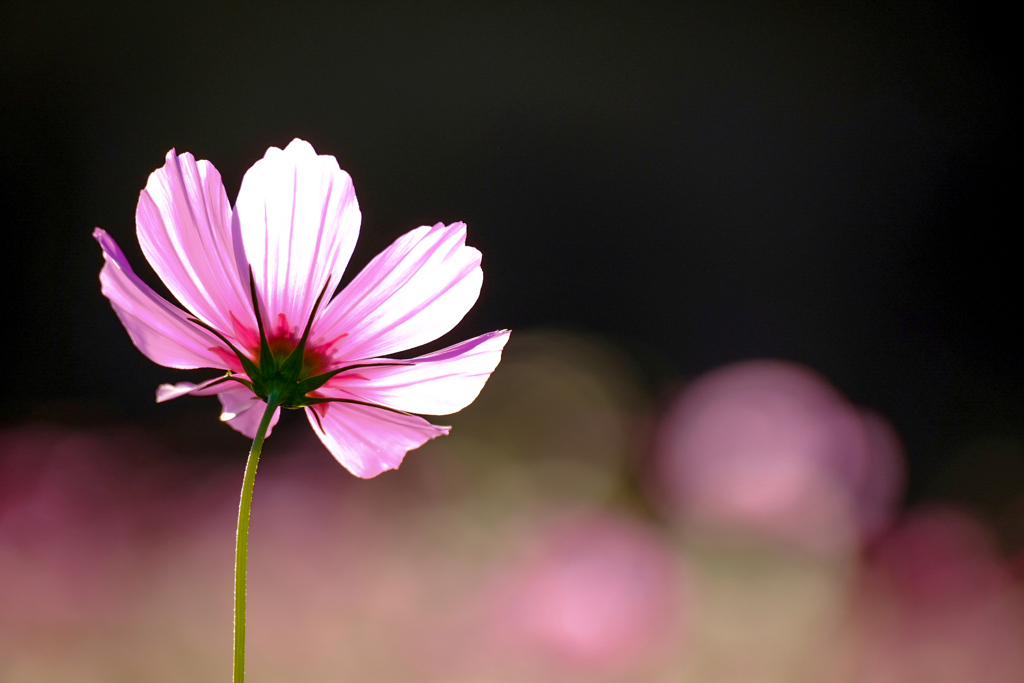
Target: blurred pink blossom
593	594
771	448
937	603
293	229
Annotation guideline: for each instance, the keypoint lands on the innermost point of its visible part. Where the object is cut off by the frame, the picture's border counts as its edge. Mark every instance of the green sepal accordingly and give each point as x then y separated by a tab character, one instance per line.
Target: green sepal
313	383
267	360
292	365
241	381
317	401
229	377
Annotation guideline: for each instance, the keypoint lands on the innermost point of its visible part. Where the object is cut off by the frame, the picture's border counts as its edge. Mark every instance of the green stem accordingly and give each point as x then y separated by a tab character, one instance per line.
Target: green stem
242	538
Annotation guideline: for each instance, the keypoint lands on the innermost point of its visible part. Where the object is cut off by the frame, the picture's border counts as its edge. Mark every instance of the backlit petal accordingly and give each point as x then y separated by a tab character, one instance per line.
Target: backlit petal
438	383
243	410
368	441
413	292
167	392
298	219
184	225
158	328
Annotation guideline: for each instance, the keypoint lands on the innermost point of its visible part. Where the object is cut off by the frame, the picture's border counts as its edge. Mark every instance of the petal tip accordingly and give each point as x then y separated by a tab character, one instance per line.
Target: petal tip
299	145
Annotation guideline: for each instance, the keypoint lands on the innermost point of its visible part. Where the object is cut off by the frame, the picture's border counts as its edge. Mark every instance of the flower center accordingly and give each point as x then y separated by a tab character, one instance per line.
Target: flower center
286	366
282	370
283	339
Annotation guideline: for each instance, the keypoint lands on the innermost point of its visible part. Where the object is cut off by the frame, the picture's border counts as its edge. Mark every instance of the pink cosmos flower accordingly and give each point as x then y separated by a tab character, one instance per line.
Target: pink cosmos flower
256	284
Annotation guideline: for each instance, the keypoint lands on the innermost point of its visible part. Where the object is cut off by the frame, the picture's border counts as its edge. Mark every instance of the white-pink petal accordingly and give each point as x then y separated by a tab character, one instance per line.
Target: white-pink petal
159	329
167	392
183	222
368	441
243	410
438	383
299	220
411	293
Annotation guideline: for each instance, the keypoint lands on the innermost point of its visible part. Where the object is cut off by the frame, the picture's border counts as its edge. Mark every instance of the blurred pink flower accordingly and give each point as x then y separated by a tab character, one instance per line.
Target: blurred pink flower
252	280
596	594
937	602
771	448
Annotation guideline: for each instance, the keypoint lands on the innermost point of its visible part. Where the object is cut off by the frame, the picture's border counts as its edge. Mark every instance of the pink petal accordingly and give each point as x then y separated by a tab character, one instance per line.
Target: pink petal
184	225
411	293
243	410
368	441
438	383
167	392
159	329
299	220
217	385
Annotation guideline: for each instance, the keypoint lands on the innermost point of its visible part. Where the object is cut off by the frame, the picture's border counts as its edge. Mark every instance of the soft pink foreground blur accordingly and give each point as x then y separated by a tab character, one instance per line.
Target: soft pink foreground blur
509	554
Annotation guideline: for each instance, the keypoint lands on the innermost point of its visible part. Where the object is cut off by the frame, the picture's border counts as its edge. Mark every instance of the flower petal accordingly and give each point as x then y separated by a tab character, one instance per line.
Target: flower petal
411	293
184	225
438	383
159	329
368	441
167	392
243	410
298	219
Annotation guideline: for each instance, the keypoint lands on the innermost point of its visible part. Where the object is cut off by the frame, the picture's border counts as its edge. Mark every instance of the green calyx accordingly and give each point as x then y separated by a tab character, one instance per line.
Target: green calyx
287	379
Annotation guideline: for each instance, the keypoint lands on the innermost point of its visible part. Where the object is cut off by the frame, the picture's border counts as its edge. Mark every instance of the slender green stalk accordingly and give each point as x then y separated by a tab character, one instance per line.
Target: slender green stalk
242	538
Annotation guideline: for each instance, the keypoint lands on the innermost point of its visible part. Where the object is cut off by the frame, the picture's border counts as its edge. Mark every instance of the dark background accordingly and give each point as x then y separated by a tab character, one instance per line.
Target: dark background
698	183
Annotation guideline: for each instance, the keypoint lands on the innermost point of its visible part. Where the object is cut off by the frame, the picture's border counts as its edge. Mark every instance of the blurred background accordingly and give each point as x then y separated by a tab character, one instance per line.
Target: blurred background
760	418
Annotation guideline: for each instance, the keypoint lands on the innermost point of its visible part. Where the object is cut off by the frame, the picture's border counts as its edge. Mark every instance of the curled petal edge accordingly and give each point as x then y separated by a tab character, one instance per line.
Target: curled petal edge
158	329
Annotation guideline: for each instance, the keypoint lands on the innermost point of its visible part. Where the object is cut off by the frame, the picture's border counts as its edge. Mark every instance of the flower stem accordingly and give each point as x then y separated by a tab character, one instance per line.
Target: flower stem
242	538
